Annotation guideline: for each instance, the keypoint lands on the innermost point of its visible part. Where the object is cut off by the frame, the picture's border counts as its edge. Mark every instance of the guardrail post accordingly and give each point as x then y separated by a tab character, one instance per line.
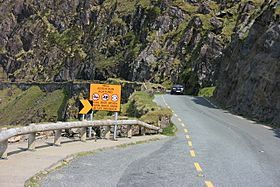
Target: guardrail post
143	131
31	141
57	137
83	134
107	132
129	131
3	149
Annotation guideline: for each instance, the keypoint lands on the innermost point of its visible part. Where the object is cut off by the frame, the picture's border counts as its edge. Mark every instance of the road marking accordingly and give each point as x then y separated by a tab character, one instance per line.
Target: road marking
163	99
175	115
179	119
188	137
192	152
197	167
168	106
190	143
209	184
182	124
186	130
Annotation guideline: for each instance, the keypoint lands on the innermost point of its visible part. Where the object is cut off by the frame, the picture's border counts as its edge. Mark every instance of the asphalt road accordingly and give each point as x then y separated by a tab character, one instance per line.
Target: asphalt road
212	148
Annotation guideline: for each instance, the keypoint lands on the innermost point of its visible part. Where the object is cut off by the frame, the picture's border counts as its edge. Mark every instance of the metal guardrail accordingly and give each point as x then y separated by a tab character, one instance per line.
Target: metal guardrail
32	129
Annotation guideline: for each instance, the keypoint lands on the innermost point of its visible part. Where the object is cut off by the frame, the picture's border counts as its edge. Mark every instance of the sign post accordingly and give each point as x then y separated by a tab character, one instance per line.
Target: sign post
104	97
116	125
90	128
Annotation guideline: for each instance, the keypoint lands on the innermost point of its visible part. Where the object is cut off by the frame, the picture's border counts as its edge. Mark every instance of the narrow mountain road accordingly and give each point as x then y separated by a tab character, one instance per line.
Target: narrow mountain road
212	148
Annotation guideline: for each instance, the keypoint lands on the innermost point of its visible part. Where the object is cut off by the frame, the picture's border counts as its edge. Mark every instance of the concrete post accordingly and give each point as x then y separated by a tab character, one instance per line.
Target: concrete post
31	141
129	131
57	138
143	131
3	149
107	132
83	134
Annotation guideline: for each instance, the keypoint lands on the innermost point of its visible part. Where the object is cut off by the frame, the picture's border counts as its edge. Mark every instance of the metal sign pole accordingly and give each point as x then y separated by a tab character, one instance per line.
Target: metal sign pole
90	128
116	126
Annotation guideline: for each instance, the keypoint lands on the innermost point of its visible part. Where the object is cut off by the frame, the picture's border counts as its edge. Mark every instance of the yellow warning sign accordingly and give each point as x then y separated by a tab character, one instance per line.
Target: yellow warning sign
105	97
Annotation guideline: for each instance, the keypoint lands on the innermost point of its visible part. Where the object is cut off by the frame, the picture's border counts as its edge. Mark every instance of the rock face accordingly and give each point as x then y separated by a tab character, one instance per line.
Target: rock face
249	78
191	42
160	41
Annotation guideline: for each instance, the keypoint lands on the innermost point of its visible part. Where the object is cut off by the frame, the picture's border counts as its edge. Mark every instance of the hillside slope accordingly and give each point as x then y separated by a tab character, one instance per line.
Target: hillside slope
233	44
162	41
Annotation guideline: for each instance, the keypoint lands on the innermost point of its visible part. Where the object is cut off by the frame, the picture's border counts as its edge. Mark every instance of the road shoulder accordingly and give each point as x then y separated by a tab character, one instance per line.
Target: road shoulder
23	165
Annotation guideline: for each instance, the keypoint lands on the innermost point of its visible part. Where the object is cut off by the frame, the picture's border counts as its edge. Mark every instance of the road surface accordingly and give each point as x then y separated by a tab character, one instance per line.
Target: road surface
212	148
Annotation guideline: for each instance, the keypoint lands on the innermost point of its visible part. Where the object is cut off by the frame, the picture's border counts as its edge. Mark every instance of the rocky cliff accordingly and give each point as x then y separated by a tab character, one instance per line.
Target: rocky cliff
249	78
162	41
192	42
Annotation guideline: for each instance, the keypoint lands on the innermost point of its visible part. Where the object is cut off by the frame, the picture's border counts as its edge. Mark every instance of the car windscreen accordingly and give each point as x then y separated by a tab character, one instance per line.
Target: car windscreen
178	86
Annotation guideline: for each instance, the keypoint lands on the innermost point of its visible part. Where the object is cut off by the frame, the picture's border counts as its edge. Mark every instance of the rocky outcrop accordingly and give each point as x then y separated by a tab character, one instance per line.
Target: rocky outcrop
160	41
249	75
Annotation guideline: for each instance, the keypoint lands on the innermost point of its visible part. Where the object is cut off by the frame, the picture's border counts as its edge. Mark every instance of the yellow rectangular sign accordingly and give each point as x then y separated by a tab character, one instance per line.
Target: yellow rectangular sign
105	97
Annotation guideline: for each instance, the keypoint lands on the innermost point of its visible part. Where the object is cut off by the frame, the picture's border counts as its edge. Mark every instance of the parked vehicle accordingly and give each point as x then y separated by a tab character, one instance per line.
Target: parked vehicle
177	89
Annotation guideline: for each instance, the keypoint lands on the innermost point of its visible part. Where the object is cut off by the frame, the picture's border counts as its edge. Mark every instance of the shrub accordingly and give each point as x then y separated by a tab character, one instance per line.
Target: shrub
141	105
206	92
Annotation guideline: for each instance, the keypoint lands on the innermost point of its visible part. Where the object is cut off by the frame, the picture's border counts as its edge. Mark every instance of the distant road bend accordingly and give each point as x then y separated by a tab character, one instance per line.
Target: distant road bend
212	148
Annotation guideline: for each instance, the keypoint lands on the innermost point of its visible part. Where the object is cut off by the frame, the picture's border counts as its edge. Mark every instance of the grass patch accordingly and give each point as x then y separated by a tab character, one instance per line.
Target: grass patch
141	105
170	130
19	107
187	7
206	92
277	11
153	117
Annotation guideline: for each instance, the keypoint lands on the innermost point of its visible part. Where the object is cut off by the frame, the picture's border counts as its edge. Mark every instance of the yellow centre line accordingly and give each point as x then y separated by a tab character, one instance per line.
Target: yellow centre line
209	184
188	137
192	152
190	143
179	119
186	130
197	167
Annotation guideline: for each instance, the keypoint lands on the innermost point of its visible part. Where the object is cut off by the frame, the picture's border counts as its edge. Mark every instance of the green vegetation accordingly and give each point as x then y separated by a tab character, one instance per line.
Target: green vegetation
206	92
170	130
68	41
126	6
103	62
187	7
277	11
229	25
102	115
33	105
141	105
